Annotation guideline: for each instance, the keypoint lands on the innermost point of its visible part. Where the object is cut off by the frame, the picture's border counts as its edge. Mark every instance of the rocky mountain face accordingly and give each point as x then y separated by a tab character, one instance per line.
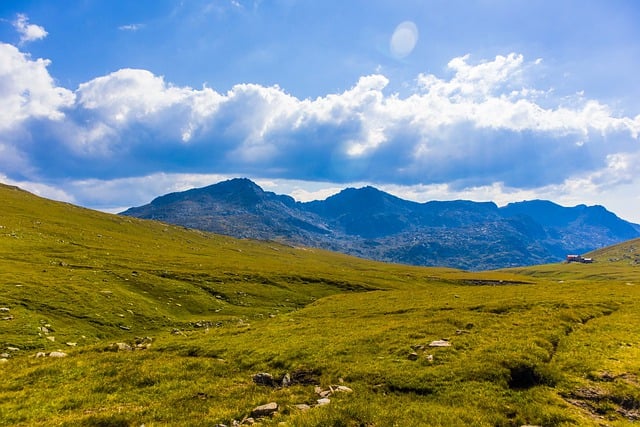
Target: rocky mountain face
373	224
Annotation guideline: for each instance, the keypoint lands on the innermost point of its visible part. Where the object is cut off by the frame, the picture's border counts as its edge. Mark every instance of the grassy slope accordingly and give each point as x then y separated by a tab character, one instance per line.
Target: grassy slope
548	345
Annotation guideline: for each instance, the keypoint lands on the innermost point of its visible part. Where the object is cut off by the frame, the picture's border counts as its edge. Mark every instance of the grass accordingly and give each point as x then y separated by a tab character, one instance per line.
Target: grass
545	345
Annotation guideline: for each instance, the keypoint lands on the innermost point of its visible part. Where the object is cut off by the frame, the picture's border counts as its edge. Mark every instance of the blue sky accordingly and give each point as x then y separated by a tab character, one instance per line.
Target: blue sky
108	104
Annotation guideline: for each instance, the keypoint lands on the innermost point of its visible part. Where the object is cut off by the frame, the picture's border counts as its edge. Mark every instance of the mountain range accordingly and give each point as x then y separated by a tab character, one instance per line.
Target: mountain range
373	224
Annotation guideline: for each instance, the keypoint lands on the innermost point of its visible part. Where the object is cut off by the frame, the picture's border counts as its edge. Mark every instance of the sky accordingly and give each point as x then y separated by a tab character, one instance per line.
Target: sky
108	104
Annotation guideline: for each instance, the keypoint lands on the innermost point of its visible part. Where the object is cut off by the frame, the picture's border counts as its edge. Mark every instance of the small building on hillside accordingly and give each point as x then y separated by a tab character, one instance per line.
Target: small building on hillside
579	258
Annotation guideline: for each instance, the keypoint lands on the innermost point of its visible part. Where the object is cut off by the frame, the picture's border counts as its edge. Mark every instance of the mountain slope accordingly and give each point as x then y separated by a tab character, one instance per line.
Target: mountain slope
373	224
166	326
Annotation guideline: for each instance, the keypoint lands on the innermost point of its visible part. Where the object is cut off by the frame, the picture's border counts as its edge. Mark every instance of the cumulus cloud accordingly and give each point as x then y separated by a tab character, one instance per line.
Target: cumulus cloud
28	32
27	90
484	123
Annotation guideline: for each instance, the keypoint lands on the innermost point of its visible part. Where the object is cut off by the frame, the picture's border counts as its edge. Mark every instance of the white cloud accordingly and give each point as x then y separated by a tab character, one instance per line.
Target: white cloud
27	90
28	32
485	130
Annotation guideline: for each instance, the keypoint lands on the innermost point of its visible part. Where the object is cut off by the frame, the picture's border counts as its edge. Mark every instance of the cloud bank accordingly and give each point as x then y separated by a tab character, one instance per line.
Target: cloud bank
482	123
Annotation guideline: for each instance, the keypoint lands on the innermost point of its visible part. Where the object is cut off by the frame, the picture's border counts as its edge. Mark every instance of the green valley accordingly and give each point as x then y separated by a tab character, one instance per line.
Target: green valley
114	321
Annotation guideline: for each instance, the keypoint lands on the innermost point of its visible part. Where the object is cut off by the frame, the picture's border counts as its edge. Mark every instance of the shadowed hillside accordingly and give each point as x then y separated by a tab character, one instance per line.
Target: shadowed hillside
372	224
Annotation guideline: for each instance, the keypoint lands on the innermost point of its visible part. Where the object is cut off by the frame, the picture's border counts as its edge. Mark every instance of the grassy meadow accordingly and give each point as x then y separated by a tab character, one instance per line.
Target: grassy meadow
164	326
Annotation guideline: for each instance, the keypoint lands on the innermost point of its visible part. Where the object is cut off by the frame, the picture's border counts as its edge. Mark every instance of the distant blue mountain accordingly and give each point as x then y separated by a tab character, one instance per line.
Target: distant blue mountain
373	224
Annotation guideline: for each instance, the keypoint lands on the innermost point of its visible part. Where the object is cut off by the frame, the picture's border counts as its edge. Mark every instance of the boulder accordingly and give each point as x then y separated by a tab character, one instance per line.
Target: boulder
440	343
57	354
264	410
343	389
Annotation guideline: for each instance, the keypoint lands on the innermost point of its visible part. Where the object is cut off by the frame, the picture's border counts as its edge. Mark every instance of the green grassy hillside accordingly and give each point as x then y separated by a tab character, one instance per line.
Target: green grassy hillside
167	326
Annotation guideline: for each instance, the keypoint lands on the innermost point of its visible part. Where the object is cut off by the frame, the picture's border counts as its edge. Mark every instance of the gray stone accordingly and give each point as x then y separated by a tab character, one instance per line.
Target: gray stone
264	410
343	389
323	401
119	346
286	380
41	354
440	343
13	349
57	354
4	309
413	356
302	407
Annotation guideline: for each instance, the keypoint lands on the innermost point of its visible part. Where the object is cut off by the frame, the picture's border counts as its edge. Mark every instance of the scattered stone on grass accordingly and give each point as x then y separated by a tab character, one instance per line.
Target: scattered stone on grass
119	346
324	401
413	356
302	407
4	309
57	354
440	343
264	410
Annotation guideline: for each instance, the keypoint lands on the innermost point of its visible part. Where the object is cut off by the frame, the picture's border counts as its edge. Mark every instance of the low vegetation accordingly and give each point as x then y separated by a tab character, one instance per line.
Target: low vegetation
167	326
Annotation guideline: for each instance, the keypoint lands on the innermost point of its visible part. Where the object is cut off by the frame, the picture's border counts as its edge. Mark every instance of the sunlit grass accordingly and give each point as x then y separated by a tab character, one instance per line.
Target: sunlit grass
546	345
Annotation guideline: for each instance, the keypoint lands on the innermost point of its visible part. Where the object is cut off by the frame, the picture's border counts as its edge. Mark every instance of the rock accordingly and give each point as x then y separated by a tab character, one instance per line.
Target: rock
72	344
13	349
52	339
57	354
7	318
248	421
3	360
41	354
440	343
286	380
264	378
323	401
119	346
430	357
417	347
302	407
4	309
325	393
264	410
5	355
413	356
343	389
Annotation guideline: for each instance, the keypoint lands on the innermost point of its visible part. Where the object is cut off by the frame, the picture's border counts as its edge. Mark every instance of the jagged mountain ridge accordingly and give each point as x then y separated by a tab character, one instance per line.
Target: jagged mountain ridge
373	224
